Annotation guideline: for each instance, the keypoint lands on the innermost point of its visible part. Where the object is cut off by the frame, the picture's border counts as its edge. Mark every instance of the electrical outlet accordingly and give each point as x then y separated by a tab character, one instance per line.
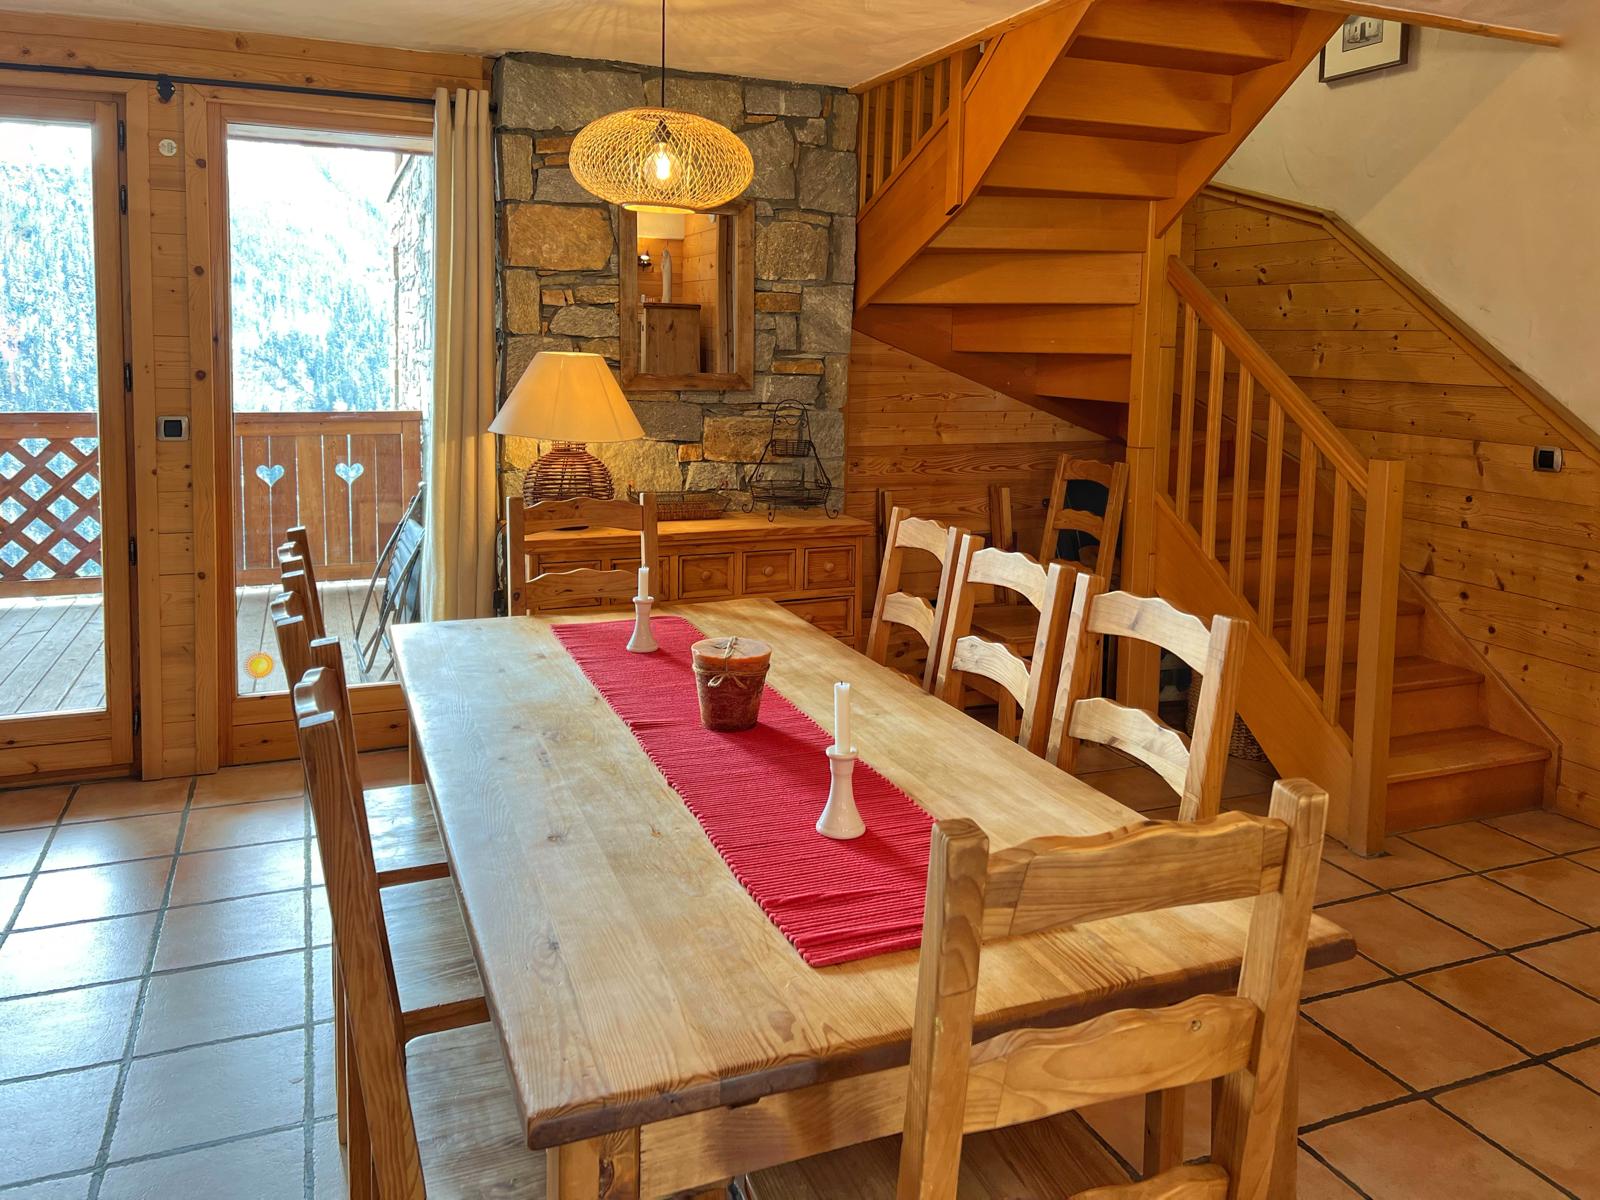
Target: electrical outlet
1547	458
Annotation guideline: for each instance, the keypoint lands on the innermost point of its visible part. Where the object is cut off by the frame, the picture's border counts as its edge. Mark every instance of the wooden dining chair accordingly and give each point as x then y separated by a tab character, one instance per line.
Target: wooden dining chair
896	608
1062	514
297	545
980	1119
1026	680
1195	768
553	590
430	1114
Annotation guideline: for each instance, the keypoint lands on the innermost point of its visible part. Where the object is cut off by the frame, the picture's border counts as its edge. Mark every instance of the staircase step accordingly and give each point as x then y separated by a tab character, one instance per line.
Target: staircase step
1044	329
1128	100
1459	774
973	277
1189	35
1075	165
1408	628
1428	696
1028	224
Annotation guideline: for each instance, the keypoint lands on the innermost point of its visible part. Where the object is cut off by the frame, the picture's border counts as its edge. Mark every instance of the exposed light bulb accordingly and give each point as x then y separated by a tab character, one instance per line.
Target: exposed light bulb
664	163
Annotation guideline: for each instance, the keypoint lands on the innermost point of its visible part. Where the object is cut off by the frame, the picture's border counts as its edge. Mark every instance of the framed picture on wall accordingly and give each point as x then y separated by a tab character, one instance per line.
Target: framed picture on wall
1364	44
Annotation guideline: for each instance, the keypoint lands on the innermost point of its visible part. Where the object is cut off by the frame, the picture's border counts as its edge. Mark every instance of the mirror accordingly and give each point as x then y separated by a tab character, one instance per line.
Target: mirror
687	294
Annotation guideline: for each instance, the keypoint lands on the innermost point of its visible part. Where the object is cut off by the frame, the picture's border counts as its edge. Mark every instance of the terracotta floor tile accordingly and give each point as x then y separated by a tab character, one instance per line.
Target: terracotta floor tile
1476	846
19	850
127	798
1562	885
327	1162
54	1125
1517	1002
1542	1117
1336	884
321	918
231	929
1313	1181
1397	936
1402	865
89	893
64	1030
1415	1152
1335	1081
1412	1035
1137	787
1585	1064
325	1103
1490	912
10	892
208	1004
258	781
272	1167
1575	961
1336	978
253	1084
245	824
70	956
22	808
1121	1124
322	983
1550	830
239	871
97	842
390	768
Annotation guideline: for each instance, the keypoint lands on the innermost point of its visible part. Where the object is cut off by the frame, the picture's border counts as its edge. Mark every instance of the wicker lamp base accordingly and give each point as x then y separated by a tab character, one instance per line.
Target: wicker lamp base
566	472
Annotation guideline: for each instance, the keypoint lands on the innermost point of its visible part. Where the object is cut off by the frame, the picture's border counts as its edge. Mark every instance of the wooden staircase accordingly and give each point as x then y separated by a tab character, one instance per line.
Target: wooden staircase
1010	189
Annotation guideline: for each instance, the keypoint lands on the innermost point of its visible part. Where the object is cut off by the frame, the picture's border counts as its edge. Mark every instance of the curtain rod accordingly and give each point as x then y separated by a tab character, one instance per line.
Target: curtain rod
165	83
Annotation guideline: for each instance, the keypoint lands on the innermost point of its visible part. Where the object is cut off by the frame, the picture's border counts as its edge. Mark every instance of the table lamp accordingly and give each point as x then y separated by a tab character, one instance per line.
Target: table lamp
568	399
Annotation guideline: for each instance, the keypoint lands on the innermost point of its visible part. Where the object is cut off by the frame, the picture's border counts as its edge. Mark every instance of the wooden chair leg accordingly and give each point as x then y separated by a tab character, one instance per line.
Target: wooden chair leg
1009	722
1163	1131
341	1056
1286	1153
359	1175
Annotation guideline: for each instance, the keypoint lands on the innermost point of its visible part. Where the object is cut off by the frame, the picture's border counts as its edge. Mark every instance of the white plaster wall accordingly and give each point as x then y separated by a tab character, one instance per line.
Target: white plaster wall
1477	169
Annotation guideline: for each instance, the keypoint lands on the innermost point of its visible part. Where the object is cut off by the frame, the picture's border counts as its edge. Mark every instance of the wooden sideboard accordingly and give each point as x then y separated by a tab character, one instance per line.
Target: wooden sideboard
811	564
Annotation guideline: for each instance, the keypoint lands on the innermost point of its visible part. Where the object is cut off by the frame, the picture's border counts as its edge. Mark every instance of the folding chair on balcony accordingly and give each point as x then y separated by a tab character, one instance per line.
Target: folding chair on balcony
399	567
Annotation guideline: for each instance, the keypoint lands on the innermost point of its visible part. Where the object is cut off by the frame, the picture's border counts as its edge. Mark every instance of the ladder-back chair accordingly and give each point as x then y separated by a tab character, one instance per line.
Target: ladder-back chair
1026	680
1062	515
552	590
964	1099
894	607
1195	768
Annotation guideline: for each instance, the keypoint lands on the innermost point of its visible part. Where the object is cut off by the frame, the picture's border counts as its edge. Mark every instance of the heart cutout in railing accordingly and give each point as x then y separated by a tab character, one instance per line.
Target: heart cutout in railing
349	472
270	475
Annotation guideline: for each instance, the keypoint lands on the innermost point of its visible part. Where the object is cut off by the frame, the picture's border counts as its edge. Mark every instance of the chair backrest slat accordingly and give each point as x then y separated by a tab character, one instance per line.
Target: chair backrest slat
557	589
297	545
1029	682
1241	1040
892	606
1195	768
1059	516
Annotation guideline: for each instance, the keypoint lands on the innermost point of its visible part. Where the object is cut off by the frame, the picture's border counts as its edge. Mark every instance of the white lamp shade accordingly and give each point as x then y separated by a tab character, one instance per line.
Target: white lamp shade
567	397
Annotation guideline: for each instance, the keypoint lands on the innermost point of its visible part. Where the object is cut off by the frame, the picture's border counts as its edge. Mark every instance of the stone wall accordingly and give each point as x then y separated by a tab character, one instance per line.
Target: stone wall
558	259
410	213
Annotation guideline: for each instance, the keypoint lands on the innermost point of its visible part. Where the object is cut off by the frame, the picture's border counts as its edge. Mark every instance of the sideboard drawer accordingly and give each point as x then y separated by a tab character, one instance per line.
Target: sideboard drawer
830	566
768	571
705	576
836	617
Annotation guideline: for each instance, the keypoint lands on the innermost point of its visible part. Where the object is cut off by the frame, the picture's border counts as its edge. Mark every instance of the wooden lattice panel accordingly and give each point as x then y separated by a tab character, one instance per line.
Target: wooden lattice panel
49	500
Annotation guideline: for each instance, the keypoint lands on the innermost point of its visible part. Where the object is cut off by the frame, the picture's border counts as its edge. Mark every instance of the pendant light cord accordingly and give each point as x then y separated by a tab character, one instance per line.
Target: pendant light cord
663	53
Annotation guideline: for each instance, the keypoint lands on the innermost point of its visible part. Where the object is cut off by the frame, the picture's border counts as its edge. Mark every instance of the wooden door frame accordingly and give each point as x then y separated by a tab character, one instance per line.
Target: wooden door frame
231	728
101	742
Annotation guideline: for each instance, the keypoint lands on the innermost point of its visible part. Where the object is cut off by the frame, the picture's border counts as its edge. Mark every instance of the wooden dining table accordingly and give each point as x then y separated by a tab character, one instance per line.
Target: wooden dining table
660	1033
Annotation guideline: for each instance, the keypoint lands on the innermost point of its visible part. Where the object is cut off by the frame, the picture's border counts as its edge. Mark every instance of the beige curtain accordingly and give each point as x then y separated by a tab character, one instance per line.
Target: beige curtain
458	560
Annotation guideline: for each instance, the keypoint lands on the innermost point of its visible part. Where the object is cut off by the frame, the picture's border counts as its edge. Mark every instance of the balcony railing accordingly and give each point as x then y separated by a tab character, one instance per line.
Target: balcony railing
346	477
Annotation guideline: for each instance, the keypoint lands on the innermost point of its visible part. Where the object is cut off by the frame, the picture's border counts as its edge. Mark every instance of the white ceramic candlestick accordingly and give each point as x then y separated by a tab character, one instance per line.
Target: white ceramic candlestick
840	818
643	640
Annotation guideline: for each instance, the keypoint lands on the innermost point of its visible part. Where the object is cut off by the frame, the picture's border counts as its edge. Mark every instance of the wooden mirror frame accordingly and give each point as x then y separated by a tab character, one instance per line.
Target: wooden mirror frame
742	378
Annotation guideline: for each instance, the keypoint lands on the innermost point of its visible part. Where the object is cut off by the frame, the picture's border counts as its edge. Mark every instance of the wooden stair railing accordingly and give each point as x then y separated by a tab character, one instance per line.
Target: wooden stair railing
900	115
1340	499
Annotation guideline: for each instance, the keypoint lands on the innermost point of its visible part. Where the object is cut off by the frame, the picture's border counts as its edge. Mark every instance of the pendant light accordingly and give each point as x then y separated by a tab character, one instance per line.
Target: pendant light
660	159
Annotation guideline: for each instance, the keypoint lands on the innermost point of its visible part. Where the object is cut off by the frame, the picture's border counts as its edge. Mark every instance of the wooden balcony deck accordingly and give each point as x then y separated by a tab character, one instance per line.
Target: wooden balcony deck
51	647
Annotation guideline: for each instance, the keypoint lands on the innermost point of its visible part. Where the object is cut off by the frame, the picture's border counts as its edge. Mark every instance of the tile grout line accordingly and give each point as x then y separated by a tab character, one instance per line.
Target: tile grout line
145	912
164	973
97	1179
1335	1171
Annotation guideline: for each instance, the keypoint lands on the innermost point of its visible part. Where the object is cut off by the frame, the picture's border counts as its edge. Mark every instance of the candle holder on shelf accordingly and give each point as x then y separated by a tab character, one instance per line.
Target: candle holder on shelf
790	473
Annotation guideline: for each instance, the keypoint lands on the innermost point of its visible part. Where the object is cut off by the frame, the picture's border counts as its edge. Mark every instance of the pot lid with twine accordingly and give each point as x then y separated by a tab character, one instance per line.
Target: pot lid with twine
661	159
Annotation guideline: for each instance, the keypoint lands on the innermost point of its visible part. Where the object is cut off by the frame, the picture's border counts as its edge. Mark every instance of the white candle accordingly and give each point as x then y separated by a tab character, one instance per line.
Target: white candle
841	717
644	583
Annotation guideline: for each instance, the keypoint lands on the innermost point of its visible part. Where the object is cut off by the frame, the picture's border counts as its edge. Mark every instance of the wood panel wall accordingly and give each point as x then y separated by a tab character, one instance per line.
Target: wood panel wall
1510	555
169	274
937	442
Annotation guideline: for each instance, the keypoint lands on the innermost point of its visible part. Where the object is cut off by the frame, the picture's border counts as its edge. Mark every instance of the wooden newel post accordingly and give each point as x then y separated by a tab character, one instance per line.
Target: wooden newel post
1380	590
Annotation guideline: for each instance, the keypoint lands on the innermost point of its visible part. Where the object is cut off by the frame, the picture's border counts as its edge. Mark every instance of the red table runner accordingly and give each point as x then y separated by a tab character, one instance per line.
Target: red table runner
758	795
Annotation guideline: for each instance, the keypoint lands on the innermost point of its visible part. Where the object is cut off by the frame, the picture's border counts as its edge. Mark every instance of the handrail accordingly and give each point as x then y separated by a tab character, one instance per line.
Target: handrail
967	42
1341	455
901	116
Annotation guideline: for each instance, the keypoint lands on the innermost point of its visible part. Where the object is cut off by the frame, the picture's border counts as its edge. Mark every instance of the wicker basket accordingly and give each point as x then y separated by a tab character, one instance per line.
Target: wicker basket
687	506
1241	742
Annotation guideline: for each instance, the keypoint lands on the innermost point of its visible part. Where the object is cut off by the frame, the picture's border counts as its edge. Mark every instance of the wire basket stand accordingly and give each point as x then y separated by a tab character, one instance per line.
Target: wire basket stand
790	473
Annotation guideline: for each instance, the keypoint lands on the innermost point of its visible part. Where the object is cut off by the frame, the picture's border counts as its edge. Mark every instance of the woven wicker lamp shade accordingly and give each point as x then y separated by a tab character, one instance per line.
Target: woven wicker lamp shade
660	160
568	399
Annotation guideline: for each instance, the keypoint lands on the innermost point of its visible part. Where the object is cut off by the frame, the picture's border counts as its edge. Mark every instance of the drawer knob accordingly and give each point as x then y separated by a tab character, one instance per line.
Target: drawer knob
828	566
767	571
704	576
